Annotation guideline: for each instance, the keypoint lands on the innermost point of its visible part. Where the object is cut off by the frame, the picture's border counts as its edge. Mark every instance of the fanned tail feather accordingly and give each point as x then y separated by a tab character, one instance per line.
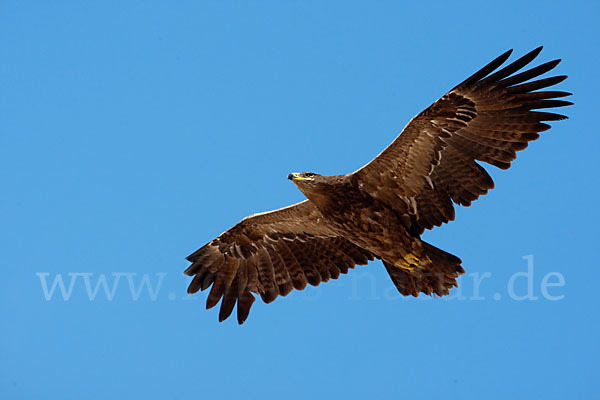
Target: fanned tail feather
438	278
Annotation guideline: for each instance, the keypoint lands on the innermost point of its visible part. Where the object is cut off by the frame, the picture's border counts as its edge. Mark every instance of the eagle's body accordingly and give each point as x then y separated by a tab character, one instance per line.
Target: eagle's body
365	221
373	225
381	210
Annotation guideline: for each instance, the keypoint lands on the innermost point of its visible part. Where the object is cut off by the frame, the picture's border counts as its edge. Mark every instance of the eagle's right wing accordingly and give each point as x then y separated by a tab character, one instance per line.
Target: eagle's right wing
270	254
432	163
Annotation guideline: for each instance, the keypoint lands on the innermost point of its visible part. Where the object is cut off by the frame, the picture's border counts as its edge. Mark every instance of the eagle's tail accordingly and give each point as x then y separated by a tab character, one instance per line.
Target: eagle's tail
438	277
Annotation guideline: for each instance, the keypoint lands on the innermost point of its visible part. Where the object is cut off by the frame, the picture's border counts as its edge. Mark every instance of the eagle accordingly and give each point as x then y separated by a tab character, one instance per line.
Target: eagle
381	210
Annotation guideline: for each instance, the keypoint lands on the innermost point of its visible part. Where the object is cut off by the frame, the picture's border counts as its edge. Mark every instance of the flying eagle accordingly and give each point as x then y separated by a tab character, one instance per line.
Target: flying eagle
381	210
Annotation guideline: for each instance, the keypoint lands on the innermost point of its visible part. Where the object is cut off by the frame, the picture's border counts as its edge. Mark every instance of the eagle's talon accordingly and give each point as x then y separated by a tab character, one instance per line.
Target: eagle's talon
402	263
411	259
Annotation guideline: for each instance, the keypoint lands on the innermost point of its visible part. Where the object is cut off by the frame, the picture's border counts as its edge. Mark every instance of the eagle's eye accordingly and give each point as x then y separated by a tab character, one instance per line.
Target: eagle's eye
309	174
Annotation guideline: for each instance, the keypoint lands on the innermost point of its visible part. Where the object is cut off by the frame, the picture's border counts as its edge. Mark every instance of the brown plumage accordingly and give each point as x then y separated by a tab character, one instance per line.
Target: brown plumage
381	210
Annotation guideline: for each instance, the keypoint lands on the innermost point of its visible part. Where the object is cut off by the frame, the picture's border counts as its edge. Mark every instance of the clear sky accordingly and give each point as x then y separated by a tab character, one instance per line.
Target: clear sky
133	132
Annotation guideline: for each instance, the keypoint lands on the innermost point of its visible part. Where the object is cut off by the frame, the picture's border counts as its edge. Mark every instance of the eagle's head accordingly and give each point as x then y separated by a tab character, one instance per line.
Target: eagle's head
304	177
314	186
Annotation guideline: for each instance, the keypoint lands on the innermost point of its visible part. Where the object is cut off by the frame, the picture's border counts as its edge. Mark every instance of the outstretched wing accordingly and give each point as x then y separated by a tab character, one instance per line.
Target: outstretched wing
488	118
270	254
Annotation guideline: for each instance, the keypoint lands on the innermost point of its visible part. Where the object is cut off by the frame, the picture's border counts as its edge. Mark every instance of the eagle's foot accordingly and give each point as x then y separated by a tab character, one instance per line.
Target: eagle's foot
411	259
408	262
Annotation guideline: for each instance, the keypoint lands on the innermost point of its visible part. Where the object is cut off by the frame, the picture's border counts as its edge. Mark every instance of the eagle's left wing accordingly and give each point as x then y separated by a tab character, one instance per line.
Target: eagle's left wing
488	118
270	254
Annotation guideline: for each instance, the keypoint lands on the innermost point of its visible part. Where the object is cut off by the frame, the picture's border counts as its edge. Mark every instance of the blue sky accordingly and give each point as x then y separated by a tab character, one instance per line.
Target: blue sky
131	133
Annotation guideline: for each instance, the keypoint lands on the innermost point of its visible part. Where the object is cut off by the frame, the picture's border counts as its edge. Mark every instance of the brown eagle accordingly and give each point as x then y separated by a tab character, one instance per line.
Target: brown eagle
381	210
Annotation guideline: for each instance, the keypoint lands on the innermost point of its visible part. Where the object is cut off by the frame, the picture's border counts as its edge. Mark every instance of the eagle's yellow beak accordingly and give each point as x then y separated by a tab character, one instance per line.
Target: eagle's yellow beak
296	177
